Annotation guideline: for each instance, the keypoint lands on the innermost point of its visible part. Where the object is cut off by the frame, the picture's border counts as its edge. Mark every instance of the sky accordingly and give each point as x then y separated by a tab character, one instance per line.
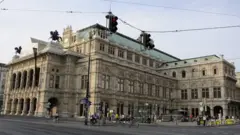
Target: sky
16	27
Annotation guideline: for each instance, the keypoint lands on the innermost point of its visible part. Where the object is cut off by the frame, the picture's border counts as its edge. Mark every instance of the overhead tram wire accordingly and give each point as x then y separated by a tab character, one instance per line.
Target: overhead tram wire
181	30
197	29
56	11
1	1
173	8
125	22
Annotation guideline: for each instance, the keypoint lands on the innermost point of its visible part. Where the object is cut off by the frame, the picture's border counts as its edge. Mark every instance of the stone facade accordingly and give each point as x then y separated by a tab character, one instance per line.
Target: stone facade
124	76
3	71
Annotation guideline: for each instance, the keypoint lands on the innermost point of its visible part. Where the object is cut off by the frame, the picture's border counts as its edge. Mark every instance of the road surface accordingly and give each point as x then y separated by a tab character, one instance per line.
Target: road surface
15	126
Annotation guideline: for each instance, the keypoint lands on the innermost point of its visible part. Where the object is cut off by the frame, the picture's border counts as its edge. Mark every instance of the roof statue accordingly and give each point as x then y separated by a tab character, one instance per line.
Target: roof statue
55	36
18	50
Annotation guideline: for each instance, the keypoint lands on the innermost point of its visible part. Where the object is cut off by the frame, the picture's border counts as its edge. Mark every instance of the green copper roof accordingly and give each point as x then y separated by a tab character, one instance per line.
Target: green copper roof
128	42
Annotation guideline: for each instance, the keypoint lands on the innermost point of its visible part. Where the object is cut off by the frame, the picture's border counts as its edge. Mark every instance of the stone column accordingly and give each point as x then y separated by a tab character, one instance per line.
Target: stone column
211	111
12	107
31	111
34	79
18	107
24	111
28	77
135	111
125	107
16	81
21	82
225	110
113	105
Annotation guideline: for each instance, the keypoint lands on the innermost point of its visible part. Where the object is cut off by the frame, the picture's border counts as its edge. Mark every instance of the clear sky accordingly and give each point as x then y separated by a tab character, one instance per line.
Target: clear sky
17	27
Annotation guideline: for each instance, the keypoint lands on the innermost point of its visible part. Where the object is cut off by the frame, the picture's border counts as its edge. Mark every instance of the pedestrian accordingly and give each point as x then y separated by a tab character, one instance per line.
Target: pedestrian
204	120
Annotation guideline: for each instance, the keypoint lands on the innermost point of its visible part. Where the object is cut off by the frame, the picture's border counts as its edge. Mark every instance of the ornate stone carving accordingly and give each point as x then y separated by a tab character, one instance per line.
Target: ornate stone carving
194	85
216	83
141	77
120	73
82	69
165	83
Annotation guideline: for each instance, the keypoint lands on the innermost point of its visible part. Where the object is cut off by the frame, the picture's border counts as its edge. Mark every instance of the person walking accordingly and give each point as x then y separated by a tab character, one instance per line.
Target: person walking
204	120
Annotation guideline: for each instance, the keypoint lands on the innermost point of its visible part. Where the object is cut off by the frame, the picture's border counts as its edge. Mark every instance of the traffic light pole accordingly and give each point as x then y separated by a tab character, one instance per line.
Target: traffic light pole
88	82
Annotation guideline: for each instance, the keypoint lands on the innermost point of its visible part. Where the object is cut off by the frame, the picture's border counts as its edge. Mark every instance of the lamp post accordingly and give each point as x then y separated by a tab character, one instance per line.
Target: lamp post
35	66
88	81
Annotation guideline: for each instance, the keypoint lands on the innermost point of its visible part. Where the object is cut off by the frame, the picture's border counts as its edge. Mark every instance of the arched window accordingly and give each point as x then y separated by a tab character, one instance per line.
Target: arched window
174	74
30	78
13	80
57	81
215	71
183	74
193	72
19	76
203	72
24	78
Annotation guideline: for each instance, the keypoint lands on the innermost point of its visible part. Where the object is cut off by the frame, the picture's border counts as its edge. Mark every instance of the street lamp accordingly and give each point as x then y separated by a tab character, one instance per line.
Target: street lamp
88	81
35	66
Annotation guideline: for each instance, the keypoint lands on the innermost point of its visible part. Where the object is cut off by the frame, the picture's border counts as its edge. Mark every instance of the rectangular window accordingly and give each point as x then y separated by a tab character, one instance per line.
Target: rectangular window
84	81
137	58
184	94
120	84
164	92
105	81
205	93
74	38
217	92
111	50
129	55
157	93
120	53
149	89
141	88
57	81
131	87
194	94
157	65
51	82
144	61
101	47
151	63
80	49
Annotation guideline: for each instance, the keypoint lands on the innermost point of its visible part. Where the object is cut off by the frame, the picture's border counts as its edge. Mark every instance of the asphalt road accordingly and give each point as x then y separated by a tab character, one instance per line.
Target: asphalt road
17	126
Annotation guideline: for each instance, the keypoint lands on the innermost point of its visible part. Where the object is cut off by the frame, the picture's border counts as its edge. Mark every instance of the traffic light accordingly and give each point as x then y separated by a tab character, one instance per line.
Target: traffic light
112	23
147	41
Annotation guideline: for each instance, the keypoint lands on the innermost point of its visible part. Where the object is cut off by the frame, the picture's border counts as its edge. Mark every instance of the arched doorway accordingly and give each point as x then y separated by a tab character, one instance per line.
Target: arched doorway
15	106
53	103
217	110
9	107
34	104
21	104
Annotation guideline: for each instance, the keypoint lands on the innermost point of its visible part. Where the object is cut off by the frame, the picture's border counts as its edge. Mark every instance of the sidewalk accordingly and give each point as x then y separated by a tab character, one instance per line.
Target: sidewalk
188	124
